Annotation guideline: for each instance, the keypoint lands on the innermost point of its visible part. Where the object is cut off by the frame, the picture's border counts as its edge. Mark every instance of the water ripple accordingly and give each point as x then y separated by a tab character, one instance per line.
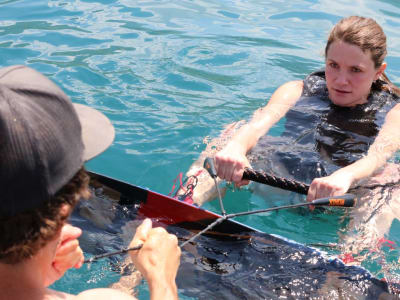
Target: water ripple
169	73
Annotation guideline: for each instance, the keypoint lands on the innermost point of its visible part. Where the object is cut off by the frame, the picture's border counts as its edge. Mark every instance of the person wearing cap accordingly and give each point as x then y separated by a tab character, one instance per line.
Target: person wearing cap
45	140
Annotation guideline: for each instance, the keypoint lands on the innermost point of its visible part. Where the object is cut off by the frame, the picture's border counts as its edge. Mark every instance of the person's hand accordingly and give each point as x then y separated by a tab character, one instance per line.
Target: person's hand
337	184
158	259
68	254
230	163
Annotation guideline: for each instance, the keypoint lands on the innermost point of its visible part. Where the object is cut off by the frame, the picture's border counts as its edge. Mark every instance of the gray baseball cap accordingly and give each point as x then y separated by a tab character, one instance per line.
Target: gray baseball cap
44	138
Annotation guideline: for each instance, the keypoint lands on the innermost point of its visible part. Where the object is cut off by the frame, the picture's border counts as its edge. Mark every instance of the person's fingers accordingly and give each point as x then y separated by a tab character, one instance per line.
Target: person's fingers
311	194
238	175
237	172
219	165
230	169
311	191
69	232
319	191
159	237
68	247
79	262
72	258
224	166
229	173
223	171
173	239
242	183
155	235
142	233
334	191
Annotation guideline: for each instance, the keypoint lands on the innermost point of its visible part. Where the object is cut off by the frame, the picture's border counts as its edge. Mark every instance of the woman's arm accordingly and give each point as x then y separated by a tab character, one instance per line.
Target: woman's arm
385	145
231	160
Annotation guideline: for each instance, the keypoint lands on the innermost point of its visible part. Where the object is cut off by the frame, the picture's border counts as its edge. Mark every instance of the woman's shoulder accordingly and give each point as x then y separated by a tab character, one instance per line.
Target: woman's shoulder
288	91
381	99
295	84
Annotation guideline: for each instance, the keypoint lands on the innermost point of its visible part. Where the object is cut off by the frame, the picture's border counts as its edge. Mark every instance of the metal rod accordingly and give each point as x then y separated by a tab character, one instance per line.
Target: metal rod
213	224
267	210
124	250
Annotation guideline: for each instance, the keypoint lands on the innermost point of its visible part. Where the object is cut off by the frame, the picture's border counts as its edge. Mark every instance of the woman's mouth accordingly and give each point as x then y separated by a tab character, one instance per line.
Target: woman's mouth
339	91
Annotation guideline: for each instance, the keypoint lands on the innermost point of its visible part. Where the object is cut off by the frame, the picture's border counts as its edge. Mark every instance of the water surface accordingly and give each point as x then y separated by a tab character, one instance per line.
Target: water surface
170	73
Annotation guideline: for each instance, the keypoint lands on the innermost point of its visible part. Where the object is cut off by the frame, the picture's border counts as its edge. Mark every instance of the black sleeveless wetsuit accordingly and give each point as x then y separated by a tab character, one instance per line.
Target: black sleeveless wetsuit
321	137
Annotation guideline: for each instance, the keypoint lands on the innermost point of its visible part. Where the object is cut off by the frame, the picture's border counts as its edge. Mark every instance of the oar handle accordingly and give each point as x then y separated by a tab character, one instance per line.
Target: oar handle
346	200
210	167
286	184
262	177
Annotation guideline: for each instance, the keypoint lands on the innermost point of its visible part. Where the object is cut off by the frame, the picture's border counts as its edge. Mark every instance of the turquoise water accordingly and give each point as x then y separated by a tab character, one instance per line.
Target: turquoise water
170	73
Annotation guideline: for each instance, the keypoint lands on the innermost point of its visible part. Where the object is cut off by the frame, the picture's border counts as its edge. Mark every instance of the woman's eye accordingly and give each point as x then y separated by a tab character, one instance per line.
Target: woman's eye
355	69
333	65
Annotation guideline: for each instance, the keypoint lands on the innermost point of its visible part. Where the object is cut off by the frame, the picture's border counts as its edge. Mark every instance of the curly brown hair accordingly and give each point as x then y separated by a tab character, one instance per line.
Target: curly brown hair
23	235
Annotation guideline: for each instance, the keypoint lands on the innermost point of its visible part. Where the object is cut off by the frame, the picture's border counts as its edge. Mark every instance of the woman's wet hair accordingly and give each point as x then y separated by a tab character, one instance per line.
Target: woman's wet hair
368	35
23	235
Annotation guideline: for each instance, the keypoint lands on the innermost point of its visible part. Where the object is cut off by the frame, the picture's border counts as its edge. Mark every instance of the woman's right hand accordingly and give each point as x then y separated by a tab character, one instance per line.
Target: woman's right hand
230	163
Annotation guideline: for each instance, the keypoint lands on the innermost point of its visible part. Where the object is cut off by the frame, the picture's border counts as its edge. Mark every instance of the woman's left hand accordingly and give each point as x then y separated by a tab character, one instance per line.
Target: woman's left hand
338	183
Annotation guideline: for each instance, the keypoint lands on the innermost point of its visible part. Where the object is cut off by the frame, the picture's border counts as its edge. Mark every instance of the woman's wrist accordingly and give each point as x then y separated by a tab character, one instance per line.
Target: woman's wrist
247	136
346	173
361	169
236	146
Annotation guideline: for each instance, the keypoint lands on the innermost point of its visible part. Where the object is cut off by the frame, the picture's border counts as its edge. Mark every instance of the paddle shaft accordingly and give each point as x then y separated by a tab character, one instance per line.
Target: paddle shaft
286	184
346	200
262	177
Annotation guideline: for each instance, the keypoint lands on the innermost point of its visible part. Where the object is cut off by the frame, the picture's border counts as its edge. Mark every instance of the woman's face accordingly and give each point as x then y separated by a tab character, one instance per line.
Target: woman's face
349	74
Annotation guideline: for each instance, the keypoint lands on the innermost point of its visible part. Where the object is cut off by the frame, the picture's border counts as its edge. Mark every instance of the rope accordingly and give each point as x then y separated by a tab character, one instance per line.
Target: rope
190	182
286	184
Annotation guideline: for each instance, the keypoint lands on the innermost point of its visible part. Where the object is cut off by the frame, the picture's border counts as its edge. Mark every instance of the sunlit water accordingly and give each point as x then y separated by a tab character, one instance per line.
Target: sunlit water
169	73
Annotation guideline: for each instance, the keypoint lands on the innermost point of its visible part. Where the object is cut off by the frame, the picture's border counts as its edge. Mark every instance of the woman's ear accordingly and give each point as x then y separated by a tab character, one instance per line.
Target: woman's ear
380	71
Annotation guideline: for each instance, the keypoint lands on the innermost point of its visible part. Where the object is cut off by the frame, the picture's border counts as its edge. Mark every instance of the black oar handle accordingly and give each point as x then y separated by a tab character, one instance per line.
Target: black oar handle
346	200
262	177
286	184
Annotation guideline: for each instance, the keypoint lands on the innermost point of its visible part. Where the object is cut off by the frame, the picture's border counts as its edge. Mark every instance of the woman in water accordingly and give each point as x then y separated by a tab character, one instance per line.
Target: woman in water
351	107
342	123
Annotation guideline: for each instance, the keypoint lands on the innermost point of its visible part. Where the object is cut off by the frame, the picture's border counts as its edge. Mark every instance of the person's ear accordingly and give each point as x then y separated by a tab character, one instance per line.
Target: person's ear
380	71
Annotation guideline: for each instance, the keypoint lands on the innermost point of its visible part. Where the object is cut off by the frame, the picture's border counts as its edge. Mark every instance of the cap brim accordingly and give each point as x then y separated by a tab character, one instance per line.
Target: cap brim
97	131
